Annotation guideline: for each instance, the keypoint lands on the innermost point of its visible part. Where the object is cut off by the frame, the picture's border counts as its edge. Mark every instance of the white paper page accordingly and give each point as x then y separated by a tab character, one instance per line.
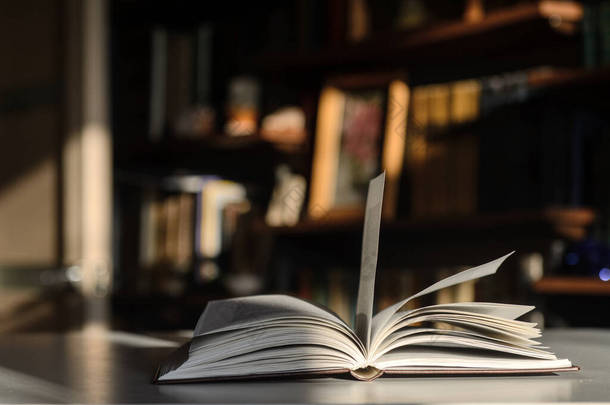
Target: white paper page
241	312
277	360
215	347
505	311
368	262
381	320
398	336
438	357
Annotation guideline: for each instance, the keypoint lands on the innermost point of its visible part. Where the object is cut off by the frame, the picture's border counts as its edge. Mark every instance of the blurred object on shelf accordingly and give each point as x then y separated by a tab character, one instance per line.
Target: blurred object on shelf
179	82
507	88
411	14
604	32
158	80
241	284
215	196
586	258
187	226
474	11
532	267
354	141
242	106
287	199
167	220
180	76
166	230
358	25
443	164
596	33
196	122
464	100
285	127
579	268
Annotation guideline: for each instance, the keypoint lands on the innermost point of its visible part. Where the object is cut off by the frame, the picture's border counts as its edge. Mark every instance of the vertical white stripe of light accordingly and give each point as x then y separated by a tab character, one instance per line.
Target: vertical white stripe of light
96	152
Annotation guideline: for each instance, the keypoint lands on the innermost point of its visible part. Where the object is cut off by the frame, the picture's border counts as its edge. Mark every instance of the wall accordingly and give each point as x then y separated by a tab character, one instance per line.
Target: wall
30	128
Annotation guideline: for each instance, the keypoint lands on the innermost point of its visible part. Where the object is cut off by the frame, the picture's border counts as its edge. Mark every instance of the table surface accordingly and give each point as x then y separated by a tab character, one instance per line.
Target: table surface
116	367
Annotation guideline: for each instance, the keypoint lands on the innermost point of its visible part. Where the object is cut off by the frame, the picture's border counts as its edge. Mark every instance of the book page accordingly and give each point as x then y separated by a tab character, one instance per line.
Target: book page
243	312
431	357
368	262
382	319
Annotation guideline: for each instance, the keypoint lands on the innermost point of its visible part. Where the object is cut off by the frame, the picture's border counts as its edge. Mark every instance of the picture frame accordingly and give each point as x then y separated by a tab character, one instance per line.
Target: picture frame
360	131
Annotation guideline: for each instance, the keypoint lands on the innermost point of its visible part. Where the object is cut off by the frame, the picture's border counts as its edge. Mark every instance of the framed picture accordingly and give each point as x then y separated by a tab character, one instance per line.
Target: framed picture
360	131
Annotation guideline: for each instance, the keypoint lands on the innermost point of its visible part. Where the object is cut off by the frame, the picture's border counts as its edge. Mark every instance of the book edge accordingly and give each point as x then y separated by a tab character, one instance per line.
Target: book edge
253	377
482	371
452	372
172	362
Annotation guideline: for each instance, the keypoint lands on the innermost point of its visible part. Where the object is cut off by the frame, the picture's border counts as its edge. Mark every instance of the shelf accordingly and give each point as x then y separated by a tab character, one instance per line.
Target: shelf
572	286
210	144
567	222
240	158
562	78
517	27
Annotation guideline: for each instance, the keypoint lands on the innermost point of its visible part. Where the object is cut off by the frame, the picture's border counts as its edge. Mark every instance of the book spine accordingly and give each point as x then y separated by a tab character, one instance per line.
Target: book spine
589	34
604	32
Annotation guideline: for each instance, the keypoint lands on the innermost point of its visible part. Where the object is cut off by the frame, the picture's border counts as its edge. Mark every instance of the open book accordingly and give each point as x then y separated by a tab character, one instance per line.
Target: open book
278	335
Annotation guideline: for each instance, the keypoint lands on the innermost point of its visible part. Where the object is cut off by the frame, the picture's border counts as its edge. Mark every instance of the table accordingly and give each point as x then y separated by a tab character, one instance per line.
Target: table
116	367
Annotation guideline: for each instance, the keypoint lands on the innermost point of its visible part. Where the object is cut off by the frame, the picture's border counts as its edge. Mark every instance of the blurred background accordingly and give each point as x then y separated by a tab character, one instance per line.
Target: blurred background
155	155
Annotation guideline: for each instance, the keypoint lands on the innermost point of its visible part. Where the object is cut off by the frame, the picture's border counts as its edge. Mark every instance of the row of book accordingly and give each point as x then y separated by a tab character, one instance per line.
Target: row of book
181	82
181	100
178	227
315	24
442	169
500	143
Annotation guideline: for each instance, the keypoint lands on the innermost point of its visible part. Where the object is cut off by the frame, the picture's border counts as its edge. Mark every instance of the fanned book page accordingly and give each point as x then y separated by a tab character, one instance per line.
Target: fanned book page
280	336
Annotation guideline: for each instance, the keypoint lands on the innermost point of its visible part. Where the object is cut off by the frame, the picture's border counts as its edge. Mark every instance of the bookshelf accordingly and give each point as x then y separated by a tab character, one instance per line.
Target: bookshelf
560	79
565	222
221	154
439	241
519	36
556	285
514	27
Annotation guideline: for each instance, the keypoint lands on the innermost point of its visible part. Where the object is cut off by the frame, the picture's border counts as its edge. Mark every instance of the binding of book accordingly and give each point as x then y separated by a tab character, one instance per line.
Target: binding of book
279	336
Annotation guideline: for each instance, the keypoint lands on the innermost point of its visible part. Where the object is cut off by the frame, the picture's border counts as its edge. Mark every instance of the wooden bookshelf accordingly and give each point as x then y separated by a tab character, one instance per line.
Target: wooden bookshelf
564	78
566	222
518	37
518	26
219	154
556	285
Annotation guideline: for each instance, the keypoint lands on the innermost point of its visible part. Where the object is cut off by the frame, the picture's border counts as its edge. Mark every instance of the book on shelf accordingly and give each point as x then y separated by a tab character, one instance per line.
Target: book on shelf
596	33
212	217
166	230
442	153
188	218
180	83
280	336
